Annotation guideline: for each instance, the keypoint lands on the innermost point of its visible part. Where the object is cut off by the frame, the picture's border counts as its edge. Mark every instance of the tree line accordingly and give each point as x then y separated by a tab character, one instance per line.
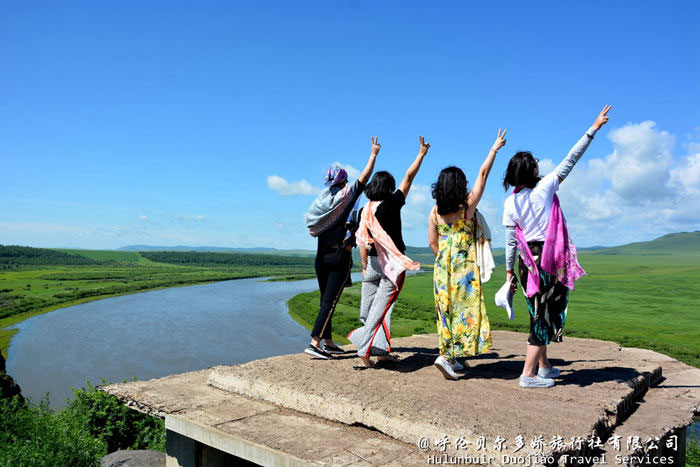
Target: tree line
13	255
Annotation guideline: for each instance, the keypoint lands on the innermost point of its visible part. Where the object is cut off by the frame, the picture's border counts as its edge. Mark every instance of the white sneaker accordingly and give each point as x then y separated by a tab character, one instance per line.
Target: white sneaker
535	382
550	372
446	368
457	366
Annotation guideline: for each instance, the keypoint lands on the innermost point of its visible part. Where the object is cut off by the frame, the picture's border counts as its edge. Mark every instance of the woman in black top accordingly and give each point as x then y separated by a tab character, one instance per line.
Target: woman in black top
326	219
379	292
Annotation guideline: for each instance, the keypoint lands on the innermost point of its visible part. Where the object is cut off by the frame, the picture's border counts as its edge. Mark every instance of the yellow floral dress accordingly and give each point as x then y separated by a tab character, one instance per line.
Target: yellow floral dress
462	324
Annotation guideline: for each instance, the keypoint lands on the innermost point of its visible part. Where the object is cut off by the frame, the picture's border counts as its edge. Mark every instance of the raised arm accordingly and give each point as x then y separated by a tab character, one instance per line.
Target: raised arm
565	166
413	169
480	183
369	168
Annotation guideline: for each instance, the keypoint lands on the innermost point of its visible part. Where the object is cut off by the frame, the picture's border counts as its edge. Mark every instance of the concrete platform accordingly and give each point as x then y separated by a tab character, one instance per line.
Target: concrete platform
294	410
208	426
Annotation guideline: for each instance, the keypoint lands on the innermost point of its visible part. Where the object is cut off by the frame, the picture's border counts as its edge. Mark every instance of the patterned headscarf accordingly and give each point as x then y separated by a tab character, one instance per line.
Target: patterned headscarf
336	175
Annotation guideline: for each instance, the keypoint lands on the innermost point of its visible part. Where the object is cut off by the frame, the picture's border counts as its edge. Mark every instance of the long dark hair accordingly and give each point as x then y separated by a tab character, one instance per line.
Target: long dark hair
381	186
450	190
522	170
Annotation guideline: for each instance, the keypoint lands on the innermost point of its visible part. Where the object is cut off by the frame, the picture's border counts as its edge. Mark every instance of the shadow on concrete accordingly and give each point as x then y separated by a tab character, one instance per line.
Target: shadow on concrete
507	367
588	376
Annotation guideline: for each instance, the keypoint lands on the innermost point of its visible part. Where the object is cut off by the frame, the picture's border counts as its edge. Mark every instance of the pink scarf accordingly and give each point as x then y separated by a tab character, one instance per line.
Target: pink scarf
558	253
391	260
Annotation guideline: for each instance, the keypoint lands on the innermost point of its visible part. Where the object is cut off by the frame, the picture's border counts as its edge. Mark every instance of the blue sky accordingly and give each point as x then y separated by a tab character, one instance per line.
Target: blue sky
213	123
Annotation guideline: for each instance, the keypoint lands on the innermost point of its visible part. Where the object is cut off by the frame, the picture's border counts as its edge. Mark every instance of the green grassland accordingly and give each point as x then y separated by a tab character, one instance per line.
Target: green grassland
640	295
35	281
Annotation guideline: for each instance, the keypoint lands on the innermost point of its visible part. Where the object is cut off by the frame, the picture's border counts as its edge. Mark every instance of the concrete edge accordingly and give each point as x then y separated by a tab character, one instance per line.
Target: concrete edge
144	408
230	444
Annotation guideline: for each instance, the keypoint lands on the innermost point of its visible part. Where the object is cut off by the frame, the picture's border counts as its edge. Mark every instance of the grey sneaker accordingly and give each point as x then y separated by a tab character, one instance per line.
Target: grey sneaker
446	368
550	372
316	352
535	382
457	366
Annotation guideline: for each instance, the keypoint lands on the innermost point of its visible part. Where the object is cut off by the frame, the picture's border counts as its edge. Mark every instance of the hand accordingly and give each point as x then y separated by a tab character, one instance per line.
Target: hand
513	281
602	117
500	140
375	145
364	270
423	147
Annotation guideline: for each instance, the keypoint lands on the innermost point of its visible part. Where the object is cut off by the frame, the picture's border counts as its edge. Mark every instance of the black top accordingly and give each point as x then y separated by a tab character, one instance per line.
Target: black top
389	216
333	236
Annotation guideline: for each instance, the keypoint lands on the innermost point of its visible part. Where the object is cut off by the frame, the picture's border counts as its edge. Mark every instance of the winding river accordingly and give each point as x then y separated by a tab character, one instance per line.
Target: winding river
154	334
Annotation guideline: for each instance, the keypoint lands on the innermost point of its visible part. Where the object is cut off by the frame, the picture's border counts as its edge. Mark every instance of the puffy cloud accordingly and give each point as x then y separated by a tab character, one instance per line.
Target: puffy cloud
414	215
546	166
285	188
639	166
686	177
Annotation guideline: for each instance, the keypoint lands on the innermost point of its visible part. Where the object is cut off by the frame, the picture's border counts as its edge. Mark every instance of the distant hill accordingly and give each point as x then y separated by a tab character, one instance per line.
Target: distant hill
685	243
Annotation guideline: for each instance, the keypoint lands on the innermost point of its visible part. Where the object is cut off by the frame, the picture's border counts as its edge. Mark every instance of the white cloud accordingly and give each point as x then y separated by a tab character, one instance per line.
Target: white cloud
546	166
285	188
143	217
414	215
686	177
639	166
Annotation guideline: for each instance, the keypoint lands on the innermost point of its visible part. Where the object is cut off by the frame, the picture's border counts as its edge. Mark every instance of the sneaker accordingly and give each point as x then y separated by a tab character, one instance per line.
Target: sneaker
550	372
315	352
457	366
535	382
446	368
332	348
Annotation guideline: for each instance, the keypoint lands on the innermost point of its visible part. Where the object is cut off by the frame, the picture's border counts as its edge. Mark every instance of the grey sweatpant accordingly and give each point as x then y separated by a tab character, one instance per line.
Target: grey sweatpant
378	298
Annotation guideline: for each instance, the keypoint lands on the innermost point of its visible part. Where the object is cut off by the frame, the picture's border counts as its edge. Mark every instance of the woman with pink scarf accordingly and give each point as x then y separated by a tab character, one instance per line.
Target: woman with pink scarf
384	264
548	267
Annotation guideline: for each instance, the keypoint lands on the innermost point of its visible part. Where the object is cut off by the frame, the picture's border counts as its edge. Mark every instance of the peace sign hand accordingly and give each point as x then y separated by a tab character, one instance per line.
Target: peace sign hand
602	117
423	146
500	140
375	145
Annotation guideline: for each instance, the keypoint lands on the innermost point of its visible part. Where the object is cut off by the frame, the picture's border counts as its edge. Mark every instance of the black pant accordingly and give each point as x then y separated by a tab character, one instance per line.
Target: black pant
332	270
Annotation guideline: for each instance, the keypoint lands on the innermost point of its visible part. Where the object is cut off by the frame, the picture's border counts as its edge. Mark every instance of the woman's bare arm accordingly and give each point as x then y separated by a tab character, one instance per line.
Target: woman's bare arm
369	168
413	169
480	183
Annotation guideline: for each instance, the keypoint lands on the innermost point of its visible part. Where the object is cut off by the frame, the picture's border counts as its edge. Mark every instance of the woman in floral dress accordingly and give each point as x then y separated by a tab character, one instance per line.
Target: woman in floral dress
463	326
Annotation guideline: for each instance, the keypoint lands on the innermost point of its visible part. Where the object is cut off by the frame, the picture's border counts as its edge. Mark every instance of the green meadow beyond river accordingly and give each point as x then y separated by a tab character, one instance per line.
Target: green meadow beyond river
154	334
